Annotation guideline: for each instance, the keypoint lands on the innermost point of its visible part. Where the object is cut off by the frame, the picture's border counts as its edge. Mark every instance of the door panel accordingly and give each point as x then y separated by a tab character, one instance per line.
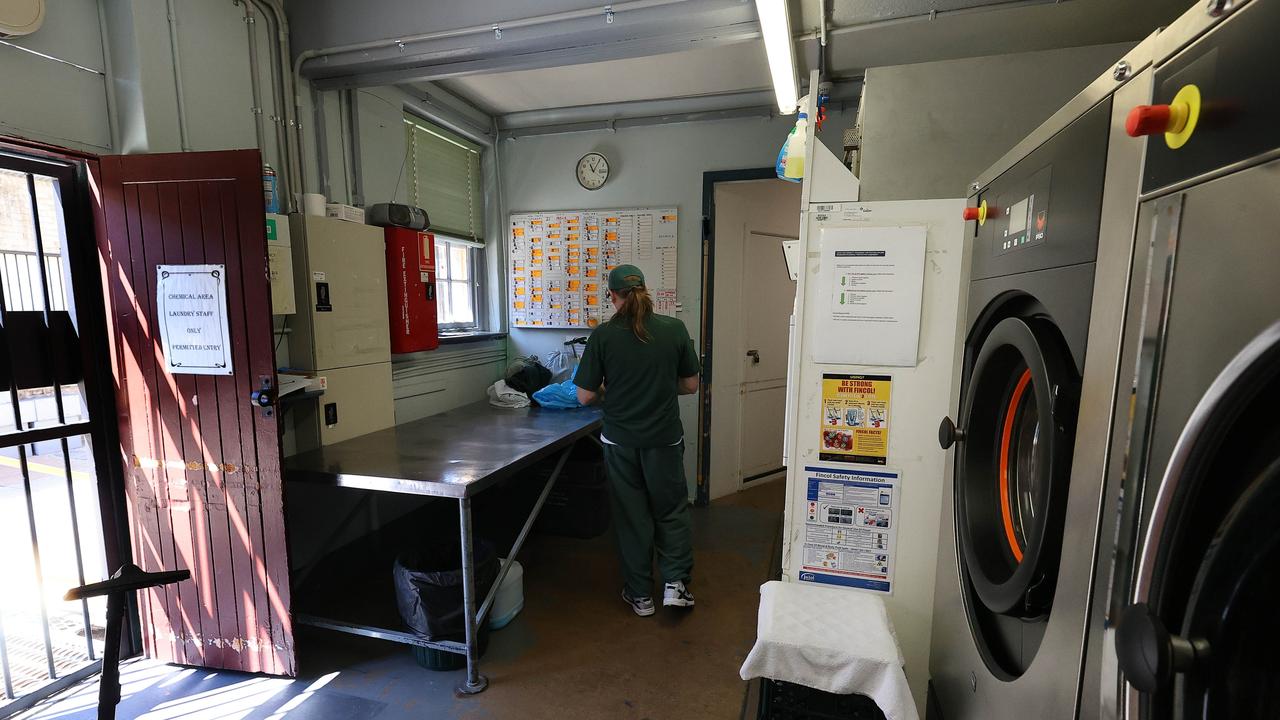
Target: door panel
768	294
203	463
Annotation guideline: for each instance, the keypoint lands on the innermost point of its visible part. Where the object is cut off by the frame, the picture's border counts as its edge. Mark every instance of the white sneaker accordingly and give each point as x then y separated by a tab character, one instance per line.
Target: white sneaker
643	606
675	594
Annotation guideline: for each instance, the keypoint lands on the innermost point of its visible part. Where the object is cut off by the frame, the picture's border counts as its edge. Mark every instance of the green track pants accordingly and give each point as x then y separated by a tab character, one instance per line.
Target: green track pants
650	511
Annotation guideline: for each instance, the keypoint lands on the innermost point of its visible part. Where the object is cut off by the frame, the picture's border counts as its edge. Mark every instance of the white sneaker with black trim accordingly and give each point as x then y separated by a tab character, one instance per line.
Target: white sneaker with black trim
643	606
675	594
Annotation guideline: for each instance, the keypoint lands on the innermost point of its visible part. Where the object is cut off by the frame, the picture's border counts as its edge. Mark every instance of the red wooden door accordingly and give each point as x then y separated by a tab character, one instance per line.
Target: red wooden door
202	461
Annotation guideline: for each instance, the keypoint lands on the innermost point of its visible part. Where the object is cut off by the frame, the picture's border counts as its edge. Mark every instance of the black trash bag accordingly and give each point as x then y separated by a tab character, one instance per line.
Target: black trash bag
429	587
527	375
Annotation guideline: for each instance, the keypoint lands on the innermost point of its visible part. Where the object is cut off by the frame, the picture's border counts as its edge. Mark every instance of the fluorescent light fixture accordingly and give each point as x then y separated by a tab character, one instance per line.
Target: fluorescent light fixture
775	27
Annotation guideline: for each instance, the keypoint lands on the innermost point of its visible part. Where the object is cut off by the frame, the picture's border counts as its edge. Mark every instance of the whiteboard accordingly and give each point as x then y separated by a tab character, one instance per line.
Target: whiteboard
559	263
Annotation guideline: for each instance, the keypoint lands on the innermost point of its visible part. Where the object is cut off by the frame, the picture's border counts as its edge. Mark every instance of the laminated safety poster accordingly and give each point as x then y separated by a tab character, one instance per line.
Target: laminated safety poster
560	263
851	527
855	418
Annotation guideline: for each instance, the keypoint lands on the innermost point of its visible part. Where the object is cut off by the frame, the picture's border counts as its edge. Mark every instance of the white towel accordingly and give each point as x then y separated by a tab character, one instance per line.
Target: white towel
840	641
502	395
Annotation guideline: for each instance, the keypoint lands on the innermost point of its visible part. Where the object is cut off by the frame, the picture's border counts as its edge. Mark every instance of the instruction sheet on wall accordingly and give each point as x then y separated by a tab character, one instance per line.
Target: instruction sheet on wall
851	527
872	287
855	418
560	263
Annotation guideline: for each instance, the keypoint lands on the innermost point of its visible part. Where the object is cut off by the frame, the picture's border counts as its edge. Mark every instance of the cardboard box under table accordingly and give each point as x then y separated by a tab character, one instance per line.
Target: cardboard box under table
456	455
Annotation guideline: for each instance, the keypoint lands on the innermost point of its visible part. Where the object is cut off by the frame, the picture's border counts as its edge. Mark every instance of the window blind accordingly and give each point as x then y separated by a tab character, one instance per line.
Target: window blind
444	179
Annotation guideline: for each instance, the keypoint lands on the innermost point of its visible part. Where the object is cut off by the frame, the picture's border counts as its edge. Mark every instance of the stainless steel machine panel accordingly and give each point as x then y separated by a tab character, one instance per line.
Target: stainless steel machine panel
1215	279
964	682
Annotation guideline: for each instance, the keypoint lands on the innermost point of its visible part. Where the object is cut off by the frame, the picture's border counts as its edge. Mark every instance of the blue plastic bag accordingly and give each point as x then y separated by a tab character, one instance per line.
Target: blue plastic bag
559	396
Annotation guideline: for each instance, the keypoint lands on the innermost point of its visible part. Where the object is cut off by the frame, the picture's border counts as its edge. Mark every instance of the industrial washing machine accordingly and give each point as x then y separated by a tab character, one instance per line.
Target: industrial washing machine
1188	626
1053	245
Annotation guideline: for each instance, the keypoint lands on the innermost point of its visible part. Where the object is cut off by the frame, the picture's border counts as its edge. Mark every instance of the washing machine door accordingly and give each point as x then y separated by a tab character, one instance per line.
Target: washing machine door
1200	640
1013	467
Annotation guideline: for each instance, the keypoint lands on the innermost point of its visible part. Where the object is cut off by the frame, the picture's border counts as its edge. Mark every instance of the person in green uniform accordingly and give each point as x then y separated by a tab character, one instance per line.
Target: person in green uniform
636	365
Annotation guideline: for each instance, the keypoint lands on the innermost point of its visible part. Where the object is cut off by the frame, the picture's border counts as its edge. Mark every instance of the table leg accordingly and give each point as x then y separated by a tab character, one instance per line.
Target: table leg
475	682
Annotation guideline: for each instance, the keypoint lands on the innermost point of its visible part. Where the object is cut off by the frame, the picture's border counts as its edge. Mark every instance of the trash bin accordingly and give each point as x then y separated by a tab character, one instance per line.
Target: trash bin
429	595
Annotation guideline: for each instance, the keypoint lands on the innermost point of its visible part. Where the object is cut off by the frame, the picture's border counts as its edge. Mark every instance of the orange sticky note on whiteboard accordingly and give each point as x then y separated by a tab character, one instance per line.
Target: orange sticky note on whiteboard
518	305
575	284
591	272
520	291
593	300
593	288
611	236
573	270
518	232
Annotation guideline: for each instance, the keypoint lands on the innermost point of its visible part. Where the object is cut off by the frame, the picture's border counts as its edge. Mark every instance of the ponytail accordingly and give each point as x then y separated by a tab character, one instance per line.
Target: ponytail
636	308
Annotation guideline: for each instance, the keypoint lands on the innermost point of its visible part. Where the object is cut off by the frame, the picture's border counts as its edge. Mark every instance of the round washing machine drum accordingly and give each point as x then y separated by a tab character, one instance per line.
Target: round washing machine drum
1013	467
1201	643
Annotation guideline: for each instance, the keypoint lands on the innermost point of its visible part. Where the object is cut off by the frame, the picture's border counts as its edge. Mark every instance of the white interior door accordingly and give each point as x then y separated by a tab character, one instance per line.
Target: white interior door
752	298
766	300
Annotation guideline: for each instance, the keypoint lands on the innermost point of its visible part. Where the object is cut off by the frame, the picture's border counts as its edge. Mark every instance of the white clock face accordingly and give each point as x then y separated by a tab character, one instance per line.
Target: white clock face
593	170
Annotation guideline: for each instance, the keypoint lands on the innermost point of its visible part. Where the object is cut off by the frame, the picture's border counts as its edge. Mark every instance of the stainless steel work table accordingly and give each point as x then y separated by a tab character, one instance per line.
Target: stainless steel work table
455	455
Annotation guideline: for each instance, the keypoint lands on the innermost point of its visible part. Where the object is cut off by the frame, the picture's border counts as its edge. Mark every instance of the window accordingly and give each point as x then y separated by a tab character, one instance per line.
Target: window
458	297
445	180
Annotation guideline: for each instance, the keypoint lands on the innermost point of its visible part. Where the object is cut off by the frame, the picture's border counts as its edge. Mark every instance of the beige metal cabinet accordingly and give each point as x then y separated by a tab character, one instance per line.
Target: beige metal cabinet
357	401
340	268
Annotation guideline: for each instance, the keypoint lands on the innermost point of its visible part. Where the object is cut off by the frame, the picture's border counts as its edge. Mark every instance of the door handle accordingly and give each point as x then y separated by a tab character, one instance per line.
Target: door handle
264	397
755	356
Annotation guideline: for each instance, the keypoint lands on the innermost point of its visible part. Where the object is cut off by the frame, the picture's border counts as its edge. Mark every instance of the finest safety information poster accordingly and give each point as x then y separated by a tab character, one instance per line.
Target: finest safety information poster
560	263
851	527
872	288
855	418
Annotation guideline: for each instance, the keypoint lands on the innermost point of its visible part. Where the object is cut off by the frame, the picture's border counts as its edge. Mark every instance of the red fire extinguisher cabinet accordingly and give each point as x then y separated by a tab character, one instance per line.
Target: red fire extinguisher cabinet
411	290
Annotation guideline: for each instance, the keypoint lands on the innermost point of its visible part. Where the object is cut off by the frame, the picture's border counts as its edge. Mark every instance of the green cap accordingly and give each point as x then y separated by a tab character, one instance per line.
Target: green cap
625	276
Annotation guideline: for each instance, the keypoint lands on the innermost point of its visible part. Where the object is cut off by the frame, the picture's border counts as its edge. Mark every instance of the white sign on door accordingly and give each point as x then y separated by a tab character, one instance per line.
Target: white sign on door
191	301
872	285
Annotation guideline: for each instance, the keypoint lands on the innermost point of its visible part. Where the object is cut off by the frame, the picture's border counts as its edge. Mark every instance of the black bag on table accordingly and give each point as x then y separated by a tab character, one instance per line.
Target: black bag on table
527	375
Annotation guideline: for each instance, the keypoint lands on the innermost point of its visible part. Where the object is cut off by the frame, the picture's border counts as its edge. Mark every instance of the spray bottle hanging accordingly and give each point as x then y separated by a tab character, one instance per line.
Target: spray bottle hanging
786	168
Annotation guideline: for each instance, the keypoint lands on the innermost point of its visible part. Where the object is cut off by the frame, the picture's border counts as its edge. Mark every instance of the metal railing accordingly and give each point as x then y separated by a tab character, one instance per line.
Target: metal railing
35	282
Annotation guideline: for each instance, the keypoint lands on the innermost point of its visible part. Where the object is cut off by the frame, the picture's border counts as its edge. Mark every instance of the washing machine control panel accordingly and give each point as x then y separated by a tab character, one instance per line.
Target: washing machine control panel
1044	211
1021	218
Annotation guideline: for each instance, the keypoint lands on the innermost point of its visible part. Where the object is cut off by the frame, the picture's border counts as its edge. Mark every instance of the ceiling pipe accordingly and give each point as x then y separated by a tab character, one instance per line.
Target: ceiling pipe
487	28
291	147
635	109
919	17
255	87
610	11
763	112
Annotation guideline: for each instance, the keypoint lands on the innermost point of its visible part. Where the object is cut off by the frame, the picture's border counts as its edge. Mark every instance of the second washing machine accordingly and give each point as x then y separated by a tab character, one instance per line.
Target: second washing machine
1053	246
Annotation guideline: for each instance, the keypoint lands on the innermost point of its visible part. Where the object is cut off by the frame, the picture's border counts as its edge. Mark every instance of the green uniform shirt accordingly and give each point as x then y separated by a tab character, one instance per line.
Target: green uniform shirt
640	379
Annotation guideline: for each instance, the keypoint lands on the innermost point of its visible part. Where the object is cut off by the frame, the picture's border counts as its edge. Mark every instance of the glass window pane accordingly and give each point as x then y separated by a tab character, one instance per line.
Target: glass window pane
442	301
459	262
462	310
442	260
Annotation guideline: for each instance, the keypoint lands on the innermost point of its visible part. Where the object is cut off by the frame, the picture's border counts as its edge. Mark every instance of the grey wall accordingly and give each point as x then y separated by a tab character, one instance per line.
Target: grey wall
653	166
929	129
52	101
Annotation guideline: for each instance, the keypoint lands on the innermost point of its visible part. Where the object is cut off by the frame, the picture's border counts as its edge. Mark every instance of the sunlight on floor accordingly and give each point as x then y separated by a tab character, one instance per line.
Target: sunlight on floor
189	694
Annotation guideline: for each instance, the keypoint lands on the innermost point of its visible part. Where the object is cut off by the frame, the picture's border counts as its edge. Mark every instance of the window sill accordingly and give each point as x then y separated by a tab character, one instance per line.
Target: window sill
460	338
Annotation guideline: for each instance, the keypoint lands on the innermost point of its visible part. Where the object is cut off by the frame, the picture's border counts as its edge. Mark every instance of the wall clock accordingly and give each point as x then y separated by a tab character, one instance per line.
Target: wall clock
593	171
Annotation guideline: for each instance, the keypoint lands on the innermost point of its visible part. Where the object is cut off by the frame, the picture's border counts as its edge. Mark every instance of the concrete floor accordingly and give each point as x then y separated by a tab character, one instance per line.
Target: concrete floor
576	651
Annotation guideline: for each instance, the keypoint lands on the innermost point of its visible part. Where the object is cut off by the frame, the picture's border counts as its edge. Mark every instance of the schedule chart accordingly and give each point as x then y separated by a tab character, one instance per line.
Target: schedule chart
560	262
